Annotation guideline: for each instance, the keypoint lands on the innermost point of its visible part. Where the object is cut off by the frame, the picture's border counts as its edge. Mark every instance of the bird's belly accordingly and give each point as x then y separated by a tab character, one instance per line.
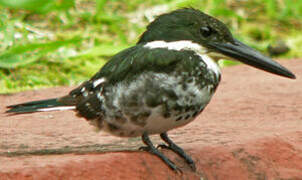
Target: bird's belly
162	118
154	124
159	124
155	103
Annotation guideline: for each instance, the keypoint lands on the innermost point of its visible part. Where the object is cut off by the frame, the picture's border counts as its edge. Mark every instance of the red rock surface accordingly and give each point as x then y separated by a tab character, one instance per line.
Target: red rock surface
252	129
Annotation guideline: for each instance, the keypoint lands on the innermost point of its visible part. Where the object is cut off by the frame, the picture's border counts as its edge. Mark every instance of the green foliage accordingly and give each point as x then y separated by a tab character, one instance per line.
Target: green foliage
38	6
63	42
102	50
25	54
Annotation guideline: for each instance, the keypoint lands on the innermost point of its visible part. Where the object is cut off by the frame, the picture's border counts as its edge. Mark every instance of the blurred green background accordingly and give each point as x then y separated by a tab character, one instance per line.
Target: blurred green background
46	43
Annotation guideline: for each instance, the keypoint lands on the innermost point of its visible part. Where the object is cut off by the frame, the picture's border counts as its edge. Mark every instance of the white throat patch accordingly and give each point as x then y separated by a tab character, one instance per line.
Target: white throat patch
187	45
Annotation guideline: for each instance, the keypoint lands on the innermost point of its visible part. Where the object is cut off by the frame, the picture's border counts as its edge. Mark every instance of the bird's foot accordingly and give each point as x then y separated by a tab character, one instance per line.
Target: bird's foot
172	146
153	150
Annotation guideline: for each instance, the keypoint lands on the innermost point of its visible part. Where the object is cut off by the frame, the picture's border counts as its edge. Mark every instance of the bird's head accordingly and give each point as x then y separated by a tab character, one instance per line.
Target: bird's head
213	37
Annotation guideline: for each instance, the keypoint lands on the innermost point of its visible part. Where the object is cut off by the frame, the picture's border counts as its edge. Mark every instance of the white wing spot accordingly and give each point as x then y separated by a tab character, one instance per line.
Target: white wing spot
62	108
98	81
99	96
85	93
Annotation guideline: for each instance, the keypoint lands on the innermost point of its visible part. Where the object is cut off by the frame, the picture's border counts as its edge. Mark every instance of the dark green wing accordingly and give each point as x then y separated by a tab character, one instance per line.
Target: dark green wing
133	61
137	59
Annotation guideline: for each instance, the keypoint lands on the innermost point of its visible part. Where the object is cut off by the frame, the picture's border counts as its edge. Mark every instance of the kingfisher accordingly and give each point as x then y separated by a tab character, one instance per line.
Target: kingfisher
161	83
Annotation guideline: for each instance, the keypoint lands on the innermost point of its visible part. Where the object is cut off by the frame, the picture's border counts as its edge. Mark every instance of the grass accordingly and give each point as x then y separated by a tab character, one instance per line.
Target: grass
66	42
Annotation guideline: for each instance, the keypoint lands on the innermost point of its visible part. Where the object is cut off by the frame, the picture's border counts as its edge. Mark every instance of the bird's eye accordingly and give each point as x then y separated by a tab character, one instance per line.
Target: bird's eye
206	31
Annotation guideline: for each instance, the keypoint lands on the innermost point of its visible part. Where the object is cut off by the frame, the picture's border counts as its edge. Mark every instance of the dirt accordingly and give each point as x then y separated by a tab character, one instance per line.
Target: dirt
252	129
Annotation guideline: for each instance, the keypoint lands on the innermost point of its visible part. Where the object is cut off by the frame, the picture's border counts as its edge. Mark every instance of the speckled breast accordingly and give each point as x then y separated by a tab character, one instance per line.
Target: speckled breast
155	102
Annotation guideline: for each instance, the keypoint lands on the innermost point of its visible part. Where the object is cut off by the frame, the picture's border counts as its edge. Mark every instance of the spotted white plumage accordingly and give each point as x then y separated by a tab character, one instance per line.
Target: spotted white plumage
156	123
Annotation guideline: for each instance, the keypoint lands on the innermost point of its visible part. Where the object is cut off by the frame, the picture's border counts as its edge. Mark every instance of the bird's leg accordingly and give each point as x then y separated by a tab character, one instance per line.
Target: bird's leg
152	149
176	149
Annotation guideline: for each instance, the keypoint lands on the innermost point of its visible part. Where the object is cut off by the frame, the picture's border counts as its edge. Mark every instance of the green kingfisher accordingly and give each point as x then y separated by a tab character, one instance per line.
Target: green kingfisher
161	83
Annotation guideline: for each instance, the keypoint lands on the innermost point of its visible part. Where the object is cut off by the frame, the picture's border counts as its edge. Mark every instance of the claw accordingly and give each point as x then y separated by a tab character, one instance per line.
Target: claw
144	148
178	171
162	146
192	166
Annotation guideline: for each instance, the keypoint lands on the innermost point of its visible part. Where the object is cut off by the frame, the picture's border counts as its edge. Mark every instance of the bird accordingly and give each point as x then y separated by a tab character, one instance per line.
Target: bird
162	82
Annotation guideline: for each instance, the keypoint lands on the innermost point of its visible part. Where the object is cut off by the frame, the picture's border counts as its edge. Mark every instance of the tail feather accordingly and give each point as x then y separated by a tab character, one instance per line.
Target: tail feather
42	105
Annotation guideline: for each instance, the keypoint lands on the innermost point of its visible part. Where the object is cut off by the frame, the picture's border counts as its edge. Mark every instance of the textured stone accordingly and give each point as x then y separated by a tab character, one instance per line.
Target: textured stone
252	129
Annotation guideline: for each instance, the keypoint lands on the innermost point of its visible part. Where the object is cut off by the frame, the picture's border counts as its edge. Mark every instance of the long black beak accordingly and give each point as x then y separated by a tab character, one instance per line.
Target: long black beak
250	56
